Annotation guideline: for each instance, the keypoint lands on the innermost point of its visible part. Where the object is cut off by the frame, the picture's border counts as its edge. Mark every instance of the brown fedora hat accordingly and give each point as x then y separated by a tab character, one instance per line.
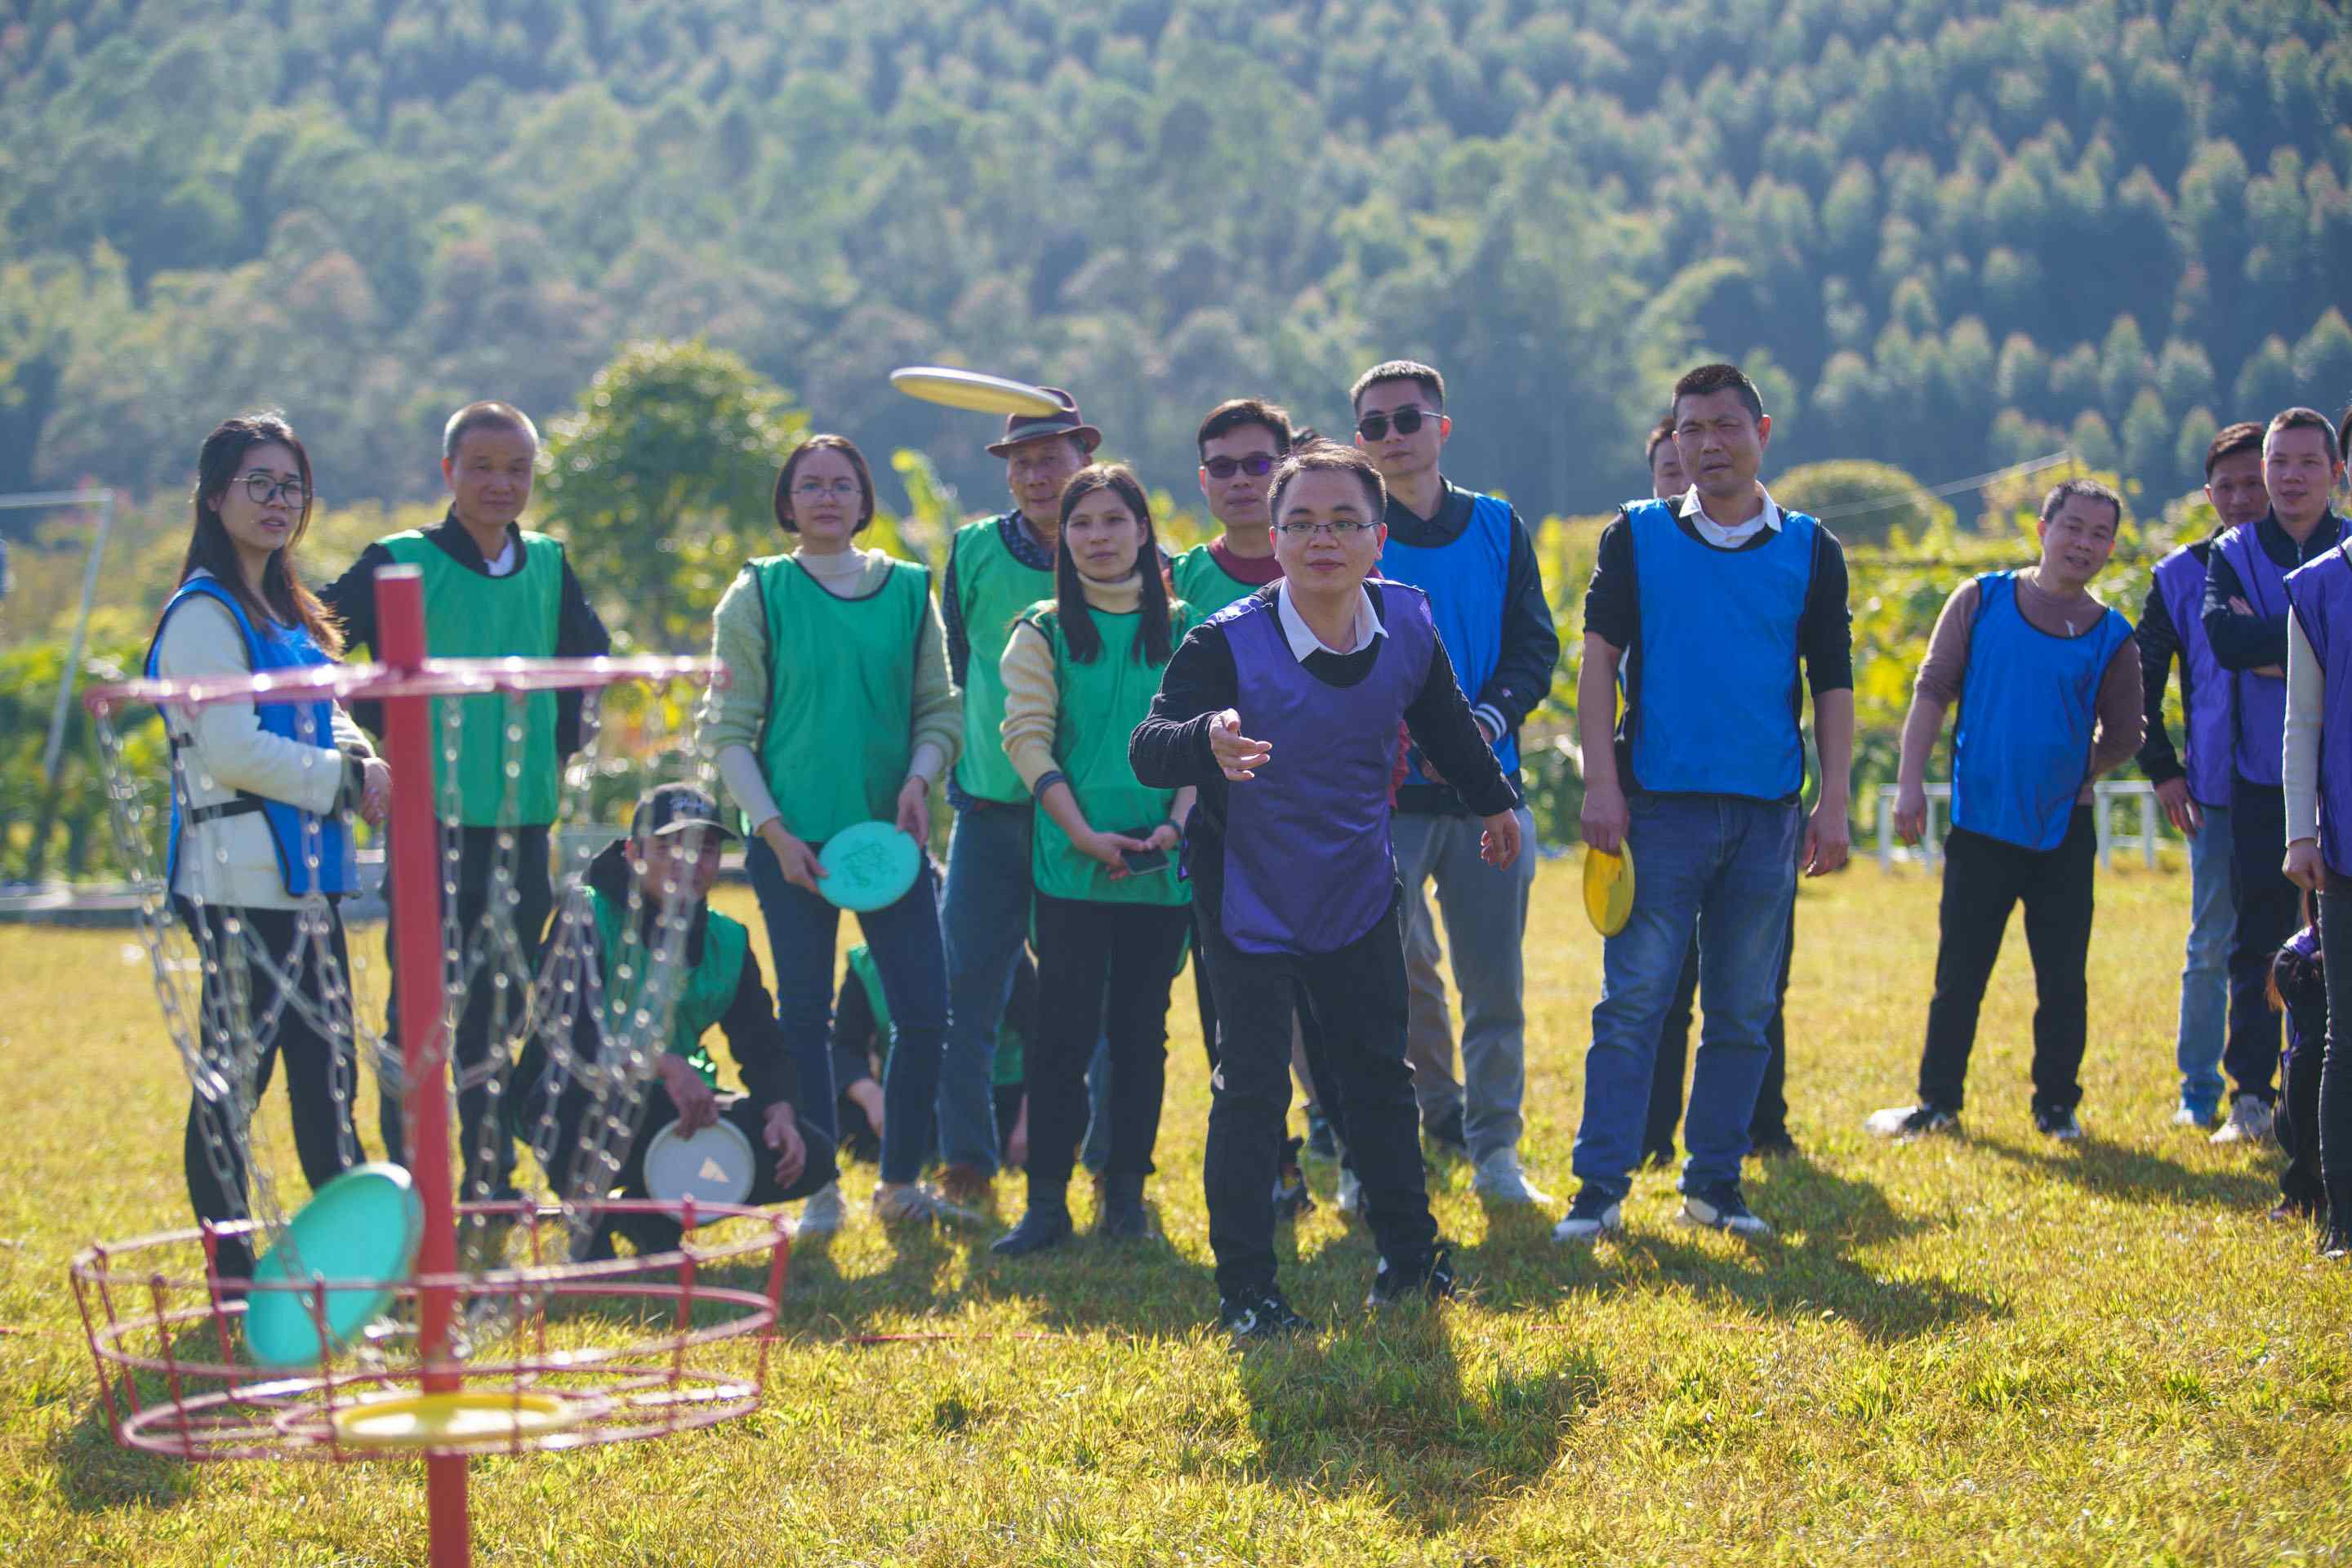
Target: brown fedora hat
1064	421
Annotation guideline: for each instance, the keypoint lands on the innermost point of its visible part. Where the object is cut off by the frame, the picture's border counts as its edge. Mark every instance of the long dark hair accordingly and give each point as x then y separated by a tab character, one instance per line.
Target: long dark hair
1078	628
283	597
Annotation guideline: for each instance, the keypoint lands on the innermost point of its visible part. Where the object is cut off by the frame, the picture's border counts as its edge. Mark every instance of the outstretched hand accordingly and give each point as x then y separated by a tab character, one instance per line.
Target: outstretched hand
1238	756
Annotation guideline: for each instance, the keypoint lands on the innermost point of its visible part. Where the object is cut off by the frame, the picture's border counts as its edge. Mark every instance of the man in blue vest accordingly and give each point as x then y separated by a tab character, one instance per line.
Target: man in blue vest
2194	785
2048	689
2245	615
1474	558
1716	613
492	589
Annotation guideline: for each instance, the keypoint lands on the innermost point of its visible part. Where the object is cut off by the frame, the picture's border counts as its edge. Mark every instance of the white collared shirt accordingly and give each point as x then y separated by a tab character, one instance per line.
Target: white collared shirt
1301	636
1724	538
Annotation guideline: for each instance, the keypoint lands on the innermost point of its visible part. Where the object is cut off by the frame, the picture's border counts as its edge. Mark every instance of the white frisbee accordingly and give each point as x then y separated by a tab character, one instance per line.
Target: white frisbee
716	1165
970	389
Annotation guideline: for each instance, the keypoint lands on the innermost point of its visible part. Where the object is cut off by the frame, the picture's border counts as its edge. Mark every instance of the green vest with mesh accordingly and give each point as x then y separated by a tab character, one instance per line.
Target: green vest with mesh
839	729
702	1000
469	616
1101	702
993	590
1205	585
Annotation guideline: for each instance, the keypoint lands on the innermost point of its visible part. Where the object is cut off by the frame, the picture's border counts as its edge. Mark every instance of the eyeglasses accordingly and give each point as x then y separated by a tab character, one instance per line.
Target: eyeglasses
810	489
1408	422
1257	465
1343	531
263	489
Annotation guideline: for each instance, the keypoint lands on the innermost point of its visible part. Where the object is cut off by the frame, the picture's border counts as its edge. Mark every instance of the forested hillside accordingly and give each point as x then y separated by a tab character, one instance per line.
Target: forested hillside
1951	234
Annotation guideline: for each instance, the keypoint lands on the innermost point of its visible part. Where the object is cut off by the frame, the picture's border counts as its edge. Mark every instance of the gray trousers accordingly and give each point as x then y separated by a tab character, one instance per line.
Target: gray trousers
1485	915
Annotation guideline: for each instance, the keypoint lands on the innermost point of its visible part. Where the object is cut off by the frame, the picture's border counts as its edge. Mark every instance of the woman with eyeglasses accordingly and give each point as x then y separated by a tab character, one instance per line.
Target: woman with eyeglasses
259	850
1080	671
834	707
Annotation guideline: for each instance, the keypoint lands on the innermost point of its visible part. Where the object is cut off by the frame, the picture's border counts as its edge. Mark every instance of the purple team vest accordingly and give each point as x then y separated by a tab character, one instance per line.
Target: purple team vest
2320	593
2260	711
1309	867
2206	688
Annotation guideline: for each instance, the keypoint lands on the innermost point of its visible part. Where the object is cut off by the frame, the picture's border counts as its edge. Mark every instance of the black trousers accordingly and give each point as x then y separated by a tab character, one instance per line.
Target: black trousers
323	1120
2270	909
1984	879
2335	1099
1103	969
573	1175
490	1016
1310	1036
1357	995
2302	1072
1769	1122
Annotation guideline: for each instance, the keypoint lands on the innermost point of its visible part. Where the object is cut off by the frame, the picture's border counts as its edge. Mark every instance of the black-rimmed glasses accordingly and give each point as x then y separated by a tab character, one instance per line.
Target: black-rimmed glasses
263	489
1341	530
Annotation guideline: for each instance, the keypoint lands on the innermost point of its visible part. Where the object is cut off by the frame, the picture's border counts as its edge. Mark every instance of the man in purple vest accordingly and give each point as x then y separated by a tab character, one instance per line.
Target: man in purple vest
2194	786
1284	709
2316	773
2245	618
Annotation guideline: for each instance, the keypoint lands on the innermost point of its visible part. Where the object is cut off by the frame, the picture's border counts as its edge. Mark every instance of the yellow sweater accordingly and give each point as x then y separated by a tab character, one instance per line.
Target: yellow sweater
1033	702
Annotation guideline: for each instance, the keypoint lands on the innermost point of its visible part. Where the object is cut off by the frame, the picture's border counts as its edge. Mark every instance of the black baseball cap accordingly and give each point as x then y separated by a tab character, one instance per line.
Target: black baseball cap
680	808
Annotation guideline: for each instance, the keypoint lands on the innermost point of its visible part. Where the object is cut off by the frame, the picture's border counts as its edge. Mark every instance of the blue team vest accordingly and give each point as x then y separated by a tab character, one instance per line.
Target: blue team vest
2028	703
2259	713
1468	583
2319	595
1716	709
290	827
2207	692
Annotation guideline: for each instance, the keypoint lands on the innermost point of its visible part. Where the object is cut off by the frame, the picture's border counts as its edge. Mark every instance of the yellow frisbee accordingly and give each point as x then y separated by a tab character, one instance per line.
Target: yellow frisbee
1609	888
970	389
451	1420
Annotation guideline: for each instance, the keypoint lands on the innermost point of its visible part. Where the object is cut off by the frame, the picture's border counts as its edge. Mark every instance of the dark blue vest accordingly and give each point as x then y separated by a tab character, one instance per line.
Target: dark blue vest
1468	584
2320	595
297	834
2259	714
2207	691
2029	704
1716	709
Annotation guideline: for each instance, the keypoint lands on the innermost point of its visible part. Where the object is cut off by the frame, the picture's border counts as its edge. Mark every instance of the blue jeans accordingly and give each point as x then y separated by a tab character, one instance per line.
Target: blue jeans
2205	977
986	922
905	941
1725	868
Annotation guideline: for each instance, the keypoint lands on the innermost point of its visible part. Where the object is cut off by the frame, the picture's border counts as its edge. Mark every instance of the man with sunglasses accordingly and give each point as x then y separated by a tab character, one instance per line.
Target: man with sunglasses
1477	561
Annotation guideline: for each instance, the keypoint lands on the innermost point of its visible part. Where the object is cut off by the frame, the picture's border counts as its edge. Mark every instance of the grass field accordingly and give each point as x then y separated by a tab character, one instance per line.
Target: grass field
1986	1348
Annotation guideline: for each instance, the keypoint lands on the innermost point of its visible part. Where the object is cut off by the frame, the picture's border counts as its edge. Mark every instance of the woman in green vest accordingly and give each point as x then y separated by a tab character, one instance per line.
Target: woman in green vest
837	710
1111	917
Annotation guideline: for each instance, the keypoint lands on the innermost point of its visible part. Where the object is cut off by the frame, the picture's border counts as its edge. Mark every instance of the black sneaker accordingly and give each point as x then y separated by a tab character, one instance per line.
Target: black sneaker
1321	1142
1723	1208
2336	1243
2057	1121
1906	1121
1447	1134
1433	1278
1260	1315
2311	1211
1040	1228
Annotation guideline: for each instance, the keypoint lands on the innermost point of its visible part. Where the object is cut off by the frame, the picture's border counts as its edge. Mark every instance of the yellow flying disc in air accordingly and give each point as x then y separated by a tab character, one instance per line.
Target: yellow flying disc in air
1609	888
970	389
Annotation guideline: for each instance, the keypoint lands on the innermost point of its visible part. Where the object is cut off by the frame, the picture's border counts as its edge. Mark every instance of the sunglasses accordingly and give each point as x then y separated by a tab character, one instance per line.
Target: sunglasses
1257	465
1375	426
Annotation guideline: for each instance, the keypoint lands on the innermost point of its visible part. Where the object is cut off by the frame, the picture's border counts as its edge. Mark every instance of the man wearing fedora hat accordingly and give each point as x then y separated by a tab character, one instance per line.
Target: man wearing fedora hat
997	567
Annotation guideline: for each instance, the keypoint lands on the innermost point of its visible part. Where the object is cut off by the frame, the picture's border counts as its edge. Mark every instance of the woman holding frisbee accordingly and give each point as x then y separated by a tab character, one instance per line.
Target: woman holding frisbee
260	852
835	710
1111	917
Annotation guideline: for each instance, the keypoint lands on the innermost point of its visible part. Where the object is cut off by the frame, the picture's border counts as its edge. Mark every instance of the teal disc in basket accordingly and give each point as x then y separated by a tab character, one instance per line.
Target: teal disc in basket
869	866
363	1227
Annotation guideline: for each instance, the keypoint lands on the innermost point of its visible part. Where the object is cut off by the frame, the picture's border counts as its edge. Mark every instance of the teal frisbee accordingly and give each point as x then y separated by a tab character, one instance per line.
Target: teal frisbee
359	1235
869	866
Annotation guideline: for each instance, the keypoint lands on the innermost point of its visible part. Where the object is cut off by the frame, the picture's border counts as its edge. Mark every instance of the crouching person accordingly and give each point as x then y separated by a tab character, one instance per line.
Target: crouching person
669	860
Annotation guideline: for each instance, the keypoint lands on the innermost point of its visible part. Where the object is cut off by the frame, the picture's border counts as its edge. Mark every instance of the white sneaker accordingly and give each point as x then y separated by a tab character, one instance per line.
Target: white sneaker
2187	1116
1909	1122
1350	1197
823	1212
1589	1217
1723	1208
1500	1180
2251	1121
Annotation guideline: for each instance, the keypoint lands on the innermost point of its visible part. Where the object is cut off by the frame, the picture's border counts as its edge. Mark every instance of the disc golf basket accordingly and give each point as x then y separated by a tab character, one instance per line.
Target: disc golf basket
400	1315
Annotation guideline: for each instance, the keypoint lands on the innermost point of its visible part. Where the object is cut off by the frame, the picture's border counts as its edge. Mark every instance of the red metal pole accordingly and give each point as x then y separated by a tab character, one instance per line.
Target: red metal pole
415	877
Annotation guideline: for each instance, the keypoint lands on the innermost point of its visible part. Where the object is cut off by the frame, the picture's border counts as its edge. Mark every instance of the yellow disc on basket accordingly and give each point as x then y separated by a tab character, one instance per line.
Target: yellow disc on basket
448	1420
1609	888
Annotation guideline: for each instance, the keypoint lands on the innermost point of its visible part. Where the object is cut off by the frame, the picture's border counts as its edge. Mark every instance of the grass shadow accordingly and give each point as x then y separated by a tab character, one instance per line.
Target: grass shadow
95	1474
2125	1171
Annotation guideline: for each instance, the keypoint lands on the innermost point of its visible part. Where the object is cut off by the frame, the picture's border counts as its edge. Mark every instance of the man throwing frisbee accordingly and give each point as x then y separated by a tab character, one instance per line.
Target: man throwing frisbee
1284	709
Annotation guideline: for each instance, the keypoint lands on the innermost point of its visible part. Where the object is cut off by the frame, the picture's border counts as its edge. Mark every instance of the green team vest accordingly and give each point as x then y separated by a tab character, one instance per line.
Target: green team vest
1102	701
701	1002
1205	585
1006	1073
468	616
994	589
839	731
